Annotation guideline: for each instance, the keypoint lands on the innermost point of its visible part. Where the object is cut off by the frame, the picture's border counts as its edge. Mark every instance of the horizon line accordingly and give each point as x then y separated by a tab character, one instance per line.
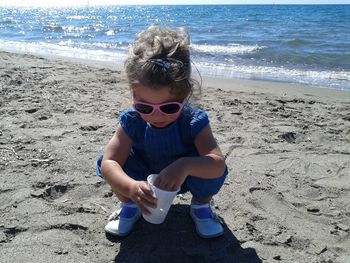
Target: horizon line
156	4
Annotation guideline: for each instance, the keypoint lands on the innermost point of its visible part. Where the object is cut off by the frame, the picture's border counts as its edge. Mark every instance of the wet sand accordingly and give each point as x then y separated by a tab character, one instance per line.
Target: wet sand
287	148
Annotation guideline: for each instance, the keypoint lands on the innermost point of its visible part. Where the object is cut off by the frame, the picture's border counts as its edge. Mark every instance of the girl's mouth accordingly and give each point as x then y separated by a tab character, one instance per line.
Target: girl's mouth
160	124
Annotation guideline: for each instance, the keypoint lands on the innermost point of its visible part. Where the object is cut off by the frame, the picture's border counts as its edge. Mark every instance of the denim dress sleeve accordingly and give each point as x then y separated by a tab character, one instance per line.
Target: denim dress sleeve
132	124
199	121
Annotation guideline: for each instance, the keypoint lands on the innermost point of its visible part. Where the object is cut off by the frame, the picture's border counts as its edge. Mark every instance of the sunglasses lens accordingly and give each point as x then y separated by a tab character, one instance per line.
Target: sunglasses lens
170	108
142	108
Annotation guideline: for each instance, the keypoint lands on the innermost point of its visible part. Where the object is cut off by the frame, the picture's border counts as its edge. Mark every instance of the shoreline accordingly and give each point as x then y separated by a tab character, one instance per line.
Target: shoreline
277	88
119	66
287	149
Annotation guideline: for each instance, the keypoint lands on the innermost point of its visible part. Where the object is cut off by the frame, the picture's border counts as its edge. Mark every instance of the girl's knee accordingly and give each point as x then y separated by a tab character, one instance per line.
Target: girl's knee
204	188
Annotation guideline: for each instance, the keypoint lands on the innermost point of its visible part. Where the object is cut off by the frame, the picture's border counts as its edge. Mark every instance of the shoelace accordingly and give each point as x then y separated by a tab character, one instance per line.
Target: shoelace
115	215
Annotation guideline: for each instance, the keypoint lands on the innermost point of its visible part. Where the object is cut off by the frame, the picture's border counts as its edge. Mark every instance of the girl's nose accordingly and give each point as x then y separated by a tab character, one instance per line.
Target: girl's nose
157	113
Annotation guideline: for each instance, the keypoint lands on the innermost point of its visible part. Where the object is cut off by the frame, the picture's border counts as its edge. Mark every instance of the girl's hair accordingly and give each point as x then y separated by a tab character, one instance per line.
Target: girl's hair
160	57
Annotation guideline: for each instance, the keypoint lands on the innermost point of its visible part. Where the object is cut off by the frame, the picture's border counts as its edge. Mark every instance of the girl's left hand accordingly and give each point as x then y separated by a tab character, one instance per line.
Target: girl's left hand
172	177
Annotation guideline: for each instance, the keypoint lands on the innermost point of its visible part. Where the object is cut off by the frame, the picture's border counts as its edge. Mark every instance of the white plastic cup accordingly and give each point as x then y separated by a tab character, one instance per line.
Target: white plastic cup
165	199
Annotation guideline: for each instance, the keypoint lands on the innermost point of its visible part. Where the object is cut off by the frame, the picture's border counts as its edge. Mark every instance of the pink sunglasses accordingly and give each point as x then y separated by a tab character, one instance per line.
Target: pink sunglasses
168	108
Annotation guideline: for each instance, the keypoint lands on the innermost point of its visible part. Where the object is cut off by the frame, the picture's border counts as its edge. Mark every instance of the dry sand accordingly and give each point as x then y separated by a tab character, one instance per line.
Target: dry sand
287	147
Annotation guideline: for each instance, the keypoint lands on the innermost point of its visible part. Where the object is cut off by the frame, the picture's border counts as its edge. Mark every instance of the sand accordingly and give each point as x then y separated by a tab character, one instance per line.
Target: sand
287	148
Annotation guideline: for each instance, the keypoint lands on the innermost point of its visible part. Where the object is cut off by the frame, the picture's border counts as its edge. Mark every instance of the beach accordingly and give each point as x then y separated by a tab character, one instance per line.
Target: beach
287	148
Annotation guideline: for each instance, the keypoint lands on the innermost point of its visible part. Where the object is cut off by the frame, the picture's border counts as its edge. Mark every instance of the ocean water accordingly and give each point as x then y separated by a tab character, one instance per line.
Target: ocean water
291	43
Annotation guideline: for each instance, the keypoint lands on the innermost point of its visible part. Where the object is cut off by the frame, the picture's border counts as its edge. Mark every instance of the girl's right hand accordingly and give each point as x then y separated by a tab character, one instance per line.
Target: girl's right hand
142	195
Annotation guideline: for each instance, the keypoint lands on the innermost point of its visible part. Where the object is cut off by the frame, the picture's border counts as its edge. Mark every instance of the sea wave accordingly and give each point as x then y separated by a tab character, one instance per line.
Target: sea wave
53	28
76	29
297	42
117	53
77	17
323	78
64	50
232	49
118	46
9	21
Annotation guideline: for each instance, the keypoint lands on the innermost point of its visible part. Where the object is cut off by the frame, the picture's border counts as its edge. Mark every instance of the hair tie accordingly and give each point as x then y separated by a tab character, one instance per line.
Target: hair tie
163	63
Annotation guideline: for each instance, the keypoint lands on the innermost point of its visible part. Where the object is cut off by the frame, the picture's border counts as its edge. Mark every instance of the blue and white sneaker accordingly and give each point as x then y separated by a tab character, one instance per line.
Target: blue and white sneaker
208	224
121	222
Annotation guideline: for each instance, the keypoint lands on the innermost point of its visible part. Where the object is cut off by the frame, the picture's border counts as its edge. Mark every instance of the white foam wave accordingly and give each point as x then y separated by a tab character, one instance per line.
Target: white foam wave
233	49
110	33
117	54
75	29
63	51
77	17
333	79
94	45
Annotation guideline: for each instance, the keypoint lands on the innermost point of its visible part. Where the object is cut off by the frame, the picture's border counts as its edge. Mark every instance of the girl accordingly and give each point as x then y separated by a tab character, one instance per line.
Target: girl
162	134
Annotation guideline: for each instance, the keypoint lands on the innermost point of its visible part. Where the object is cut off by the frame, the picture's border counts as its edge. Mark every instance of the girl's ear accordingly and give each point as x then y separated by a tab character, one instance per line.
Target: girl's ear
126	103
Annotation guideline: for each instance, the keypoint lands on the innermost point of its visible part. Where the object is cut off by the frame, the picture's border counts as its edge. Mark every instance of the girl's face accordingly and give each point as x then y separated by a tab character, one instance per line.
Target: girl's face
156	96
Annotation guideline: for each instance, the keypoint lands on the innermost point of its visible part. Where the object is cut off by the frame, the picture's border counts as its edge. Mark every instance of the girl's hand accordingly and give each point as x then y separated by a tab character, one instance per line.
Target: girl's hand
142	195
172	177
